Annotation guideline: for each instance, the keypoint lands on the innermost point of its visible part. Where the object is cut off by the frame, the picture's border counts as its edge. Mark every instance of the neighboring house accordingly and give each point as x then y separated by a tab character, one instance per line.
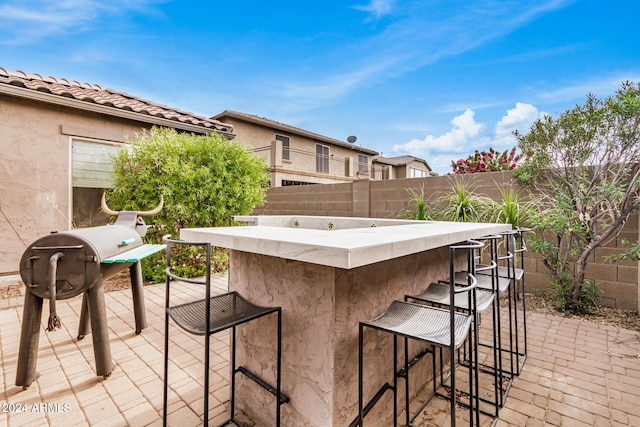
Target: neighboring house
297	156
55	140
401	167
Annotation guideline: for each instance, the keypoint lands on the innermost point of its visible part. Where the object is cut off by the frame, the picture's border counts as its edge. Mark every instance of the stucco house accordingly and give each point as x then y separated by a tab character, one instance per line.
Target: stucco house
401	167
297	156
55	136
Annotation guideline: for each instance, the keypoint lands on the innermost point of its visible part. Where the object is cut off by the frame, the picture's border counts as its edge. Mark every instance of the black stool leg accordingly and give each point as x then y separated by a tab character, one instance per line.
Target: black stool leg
233	372
395	380
279	368
360	375
166	343
406	380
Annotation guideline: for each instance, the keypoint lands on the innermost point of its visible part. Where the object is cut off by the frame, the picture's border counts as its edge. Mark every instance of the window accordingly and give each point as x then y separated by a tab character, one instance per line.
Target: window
385	172
91	173
322	158
91	164
285	146
363	163
418	173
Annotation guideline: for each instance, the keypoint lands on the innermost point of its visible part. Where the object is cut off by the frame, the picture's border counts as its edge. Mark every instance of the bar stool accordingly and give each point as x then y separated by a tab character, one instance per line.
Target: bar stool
514	244
435	326
211	315
437	294
519	249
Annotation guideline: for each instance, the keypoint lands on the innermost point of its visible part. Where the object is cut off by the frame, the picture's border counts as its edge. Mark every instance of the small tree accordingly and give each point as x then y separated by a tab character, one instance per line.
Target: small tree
584	165
205	180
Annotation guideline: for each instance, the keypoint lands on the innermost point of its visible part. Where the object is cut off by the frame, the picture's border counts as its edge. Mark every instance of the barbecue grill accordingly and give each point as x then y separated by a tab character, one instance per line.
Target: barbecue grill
66	264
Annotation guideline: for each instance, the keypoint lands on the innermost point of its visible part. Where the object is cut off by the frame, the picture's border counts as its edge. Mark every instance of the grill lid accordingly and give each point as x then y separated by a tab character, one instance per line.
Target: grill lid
78	267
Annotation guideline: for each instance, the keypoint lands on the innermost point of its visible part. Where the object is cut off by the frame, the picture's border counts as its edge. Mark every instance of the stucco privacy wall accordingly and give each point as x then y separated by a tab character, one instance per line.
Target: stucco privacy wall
35	178
385	199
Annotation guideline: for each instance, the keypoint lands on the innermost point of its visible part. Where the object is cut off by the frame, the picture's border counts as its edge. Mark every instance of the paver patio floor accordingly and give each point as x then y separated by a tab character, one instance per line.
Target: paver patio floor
577	373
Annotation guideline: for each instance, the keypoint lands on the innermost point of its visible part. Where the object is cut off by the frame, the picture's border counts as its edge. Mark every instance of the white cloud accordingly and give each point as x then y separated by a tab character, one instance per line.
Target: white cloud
464	128
28	20
519	118
467	135
403	45
601	87
377	7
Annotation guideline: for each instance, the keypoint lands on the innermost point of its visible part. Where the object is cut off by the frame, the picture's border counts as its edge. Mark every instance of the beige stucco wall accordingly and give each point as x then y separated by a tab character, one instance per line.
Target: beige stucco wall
385	199
323	304
35	177
302	163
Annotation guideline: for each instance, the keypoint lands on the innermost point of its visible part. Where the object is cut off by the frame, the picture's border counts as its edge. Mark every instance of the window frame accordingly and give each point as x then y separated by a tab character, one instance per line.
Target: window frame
323	154
286	148
418	173
363	166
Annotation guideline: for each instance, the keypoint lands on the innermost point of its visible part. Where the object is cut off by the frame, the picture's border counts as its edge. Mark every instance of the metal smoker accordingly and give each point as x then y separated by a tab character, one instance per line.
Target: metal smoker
65	264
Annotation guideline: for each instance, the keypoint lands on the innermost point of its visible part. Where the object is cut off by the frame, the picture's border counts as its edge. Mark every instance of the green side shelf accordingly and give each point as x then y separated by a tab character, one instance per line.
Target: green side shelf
136	254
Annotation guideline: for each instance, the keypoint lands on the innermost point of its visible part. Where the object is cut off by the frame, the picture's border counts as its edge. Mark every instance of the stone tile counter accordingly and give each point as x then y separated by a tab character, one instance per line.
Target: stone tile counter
327	274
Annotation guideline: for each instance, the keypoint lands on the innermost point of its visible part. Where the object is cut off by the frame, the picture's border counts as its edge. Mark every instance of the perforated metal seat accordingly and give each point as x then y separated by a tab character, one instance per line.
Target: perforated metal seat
437	327
503	272
226	311
509	277
515	271
488	289
485	281
438	293
423	323
210	315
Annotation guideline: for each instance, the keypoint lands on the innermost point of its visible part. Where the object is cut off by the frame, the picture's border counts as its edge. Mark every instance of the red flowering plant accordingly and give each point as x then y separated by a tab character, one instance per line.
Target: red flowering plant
487	161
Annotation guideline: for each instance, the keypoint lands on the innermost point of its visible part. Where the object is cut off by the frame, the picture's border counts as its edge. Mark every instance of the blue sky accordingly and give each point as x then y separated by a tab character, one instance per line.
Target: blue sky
432	78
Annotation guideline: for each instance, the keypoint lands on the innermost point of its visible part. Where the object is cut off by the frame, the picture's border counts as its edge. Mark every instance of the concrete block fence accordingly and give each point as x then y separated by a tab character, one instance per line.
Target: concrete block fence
387	198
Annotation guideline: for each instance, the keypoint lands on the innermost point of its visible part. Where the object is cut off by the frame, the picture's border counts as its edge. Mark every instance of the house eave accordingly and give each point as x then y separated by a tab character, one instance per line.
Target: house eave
292	130
103	109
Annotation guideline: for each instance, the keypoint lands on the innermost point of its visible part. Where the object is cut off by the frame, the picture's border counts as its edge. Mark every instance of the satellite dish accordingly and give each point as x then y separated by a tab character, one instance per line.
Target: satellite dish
352	139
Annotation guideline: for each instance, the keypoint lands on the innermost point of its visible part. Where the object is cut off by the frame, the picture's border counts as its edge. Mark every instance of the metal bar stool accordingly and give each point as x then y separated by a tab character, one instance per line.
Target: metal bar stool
435	326
211	315
489	278
519	249
515	245
437	294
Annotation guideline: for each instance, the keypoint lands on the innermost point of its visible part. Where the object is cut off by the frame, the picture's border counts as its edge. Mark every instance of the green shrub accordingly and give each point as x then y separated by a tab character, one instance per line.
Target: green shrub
205	181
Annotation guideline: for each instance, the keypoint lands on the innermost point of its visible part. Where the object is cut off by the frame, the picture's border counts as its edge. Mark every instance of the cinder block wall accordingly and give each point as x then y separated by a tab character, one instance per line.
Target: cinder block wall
386	199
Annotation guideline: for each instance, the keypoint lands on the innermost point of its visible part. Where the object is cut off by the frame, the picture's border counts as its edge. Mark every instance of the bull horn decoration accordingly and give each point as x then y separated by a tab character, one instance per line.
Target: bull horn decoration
106	209
109	211
154	210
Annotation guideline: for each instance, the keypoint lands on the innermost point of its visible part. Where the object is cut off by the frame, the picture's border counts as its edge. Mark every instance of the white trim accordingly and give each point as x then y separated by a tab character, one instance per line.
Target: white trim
70	184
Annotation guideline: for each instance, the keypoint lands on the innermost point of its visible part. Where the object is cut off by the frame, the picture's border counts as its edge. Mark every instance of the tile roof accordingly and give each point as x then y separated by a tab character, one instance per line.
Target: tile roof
399	160
263	121
94	97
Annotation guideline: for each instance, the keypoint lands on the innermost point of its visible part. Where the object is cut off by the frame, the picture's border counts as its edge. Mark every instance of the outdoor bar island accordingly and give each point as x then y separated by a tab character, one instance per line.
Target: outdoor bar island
327	274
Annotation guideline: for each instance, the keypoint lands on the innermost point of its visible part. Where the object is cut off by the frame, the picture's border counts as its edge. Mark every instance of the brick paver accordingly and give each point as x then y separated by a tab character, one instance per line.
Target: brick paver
576	373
